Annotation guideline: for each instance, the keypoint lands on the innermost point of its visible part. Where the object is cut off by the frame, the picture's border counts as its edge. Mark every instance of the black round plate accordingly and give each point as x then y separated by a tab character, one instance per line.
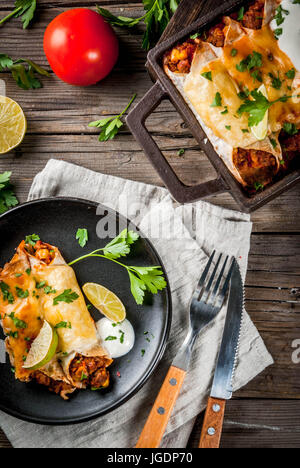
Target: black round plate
56	221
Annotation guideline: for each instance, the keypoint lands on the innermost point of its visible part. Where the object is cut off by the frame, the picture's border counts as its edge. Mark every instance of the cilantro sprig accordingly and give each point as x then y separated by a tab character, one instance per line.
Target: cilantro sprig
142	279
156	18
258	106
82	236
23	71
110	126
23	8
67	296
7	196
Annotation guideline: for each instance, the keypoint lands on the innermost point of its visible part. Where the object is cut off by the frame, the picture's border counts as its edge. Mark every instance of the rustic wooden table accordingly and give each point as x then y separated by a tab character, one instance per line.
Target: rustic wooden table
266	413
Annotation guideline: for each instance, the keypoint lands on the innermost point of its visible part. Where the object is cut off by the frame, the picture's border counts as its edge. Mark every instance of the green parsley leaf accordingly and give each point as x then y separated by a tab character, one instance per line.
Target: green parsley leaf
17	322
245	130
122	336
291	73
279	15
28	271
234	52
83	376
257	75
141	278
225	111
32	239
156	17
7	196
143	352
23	71
181	152
290	128
273	142
241	14
217	102
207	75
120	245
276	81
110	338
13	334
21	293
40	285
17	275
250	62
228	127
67	296
23	8
7	295
63	325
278	32
258	186
110	126
49	290
82	236
194	36
257	107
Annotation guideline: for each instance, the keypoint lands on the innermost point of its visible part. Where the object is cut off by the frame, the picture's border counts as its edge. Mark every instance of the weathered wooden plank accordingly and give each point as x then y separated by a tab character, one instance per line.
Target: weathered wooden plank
257	424
4	443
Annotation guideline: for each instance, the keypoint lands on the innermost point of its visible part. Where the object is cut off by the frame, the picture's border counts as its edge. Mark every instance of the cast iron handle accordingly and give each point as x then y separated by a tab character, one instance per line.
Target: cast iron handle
136	122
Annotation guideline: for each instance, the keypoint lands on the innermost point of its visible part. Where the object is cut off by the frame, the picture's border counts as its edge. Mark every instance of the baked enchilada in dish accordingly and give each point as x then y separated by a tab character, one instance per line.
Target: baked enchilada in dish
241	79
37	286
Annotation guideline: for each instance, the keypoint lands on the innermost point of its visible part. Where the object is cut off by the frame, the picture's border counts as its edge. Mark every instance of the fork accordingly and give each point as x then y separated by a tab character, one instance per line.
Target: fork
206	303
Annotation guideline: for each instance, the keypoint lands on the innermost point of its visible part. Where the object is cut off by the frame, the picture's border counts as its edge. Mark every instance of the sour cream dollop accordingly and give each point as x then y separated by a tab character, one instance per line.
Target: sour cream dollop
118	339
289	40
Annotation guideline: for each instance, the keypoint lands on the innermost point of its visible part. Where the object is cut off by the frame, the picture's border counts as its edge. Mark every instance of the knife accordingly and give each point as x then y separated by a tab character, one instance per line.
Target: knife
223	380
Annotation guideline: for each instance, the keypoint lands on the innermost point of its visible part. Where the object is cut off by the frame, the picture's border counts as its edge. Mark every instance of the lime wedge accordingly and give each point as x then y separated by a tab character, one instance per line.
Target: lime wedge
105	301
43	348
260	130
12	124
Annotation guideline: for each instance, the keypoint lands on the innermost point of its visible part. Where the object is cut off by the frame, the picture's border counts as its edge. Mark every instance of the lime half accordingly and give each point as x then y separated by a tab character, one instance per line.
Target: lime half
12	124
105	301
260	130
42	349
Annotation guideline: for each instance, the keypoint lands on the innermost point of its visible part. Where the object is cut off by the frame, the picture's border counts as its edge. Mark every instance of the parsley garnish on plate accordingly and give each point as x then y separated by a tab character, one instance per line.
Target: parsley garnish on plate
156	18
217	102
142	279
67	296
7	196
278	32
110	338
258	186
82	236
23	71
257	75
23	8
110	126
241	14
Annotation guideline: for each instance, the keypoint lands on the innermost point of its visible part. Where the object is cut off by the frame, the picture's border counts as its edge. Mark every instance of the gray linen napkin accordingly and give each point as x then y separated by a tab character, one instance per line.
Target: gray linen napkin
195	231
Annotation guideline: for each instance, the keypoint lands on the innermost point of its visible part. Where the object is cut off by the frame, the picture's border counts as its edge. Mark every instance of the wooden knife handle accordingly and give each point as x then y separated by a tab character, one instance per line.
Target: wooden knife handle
157	421
213	424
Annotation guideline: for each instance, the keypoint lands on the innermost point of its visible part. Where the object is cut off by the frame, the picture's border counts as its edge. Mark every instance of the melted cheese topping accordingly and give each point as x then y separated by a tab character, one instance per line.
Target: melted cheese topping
274	62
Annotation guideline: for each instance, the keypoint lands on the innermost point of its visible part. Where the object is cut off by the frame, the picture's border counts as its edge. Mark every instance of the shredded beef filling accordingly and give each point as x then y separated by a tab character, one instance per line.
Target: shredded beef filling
255	166
55	386
90	370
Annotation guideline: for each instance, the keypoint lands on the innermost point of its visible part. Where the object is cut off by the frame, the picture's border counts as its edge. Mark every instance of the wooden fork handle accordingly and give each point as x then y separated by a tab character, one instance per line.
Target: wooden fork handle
157	421
213	423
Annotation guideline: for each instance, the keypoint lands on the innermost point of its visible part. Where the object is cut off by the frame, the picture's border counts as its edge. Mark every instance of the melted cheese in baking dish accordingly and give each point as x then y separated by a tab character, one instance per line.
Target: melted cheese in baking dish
228	81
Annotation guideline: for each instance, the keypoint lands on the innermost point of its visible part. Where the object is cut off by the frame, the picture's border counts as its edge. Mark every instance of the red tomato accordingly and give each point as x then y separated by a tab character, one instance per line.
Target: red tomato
81	47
